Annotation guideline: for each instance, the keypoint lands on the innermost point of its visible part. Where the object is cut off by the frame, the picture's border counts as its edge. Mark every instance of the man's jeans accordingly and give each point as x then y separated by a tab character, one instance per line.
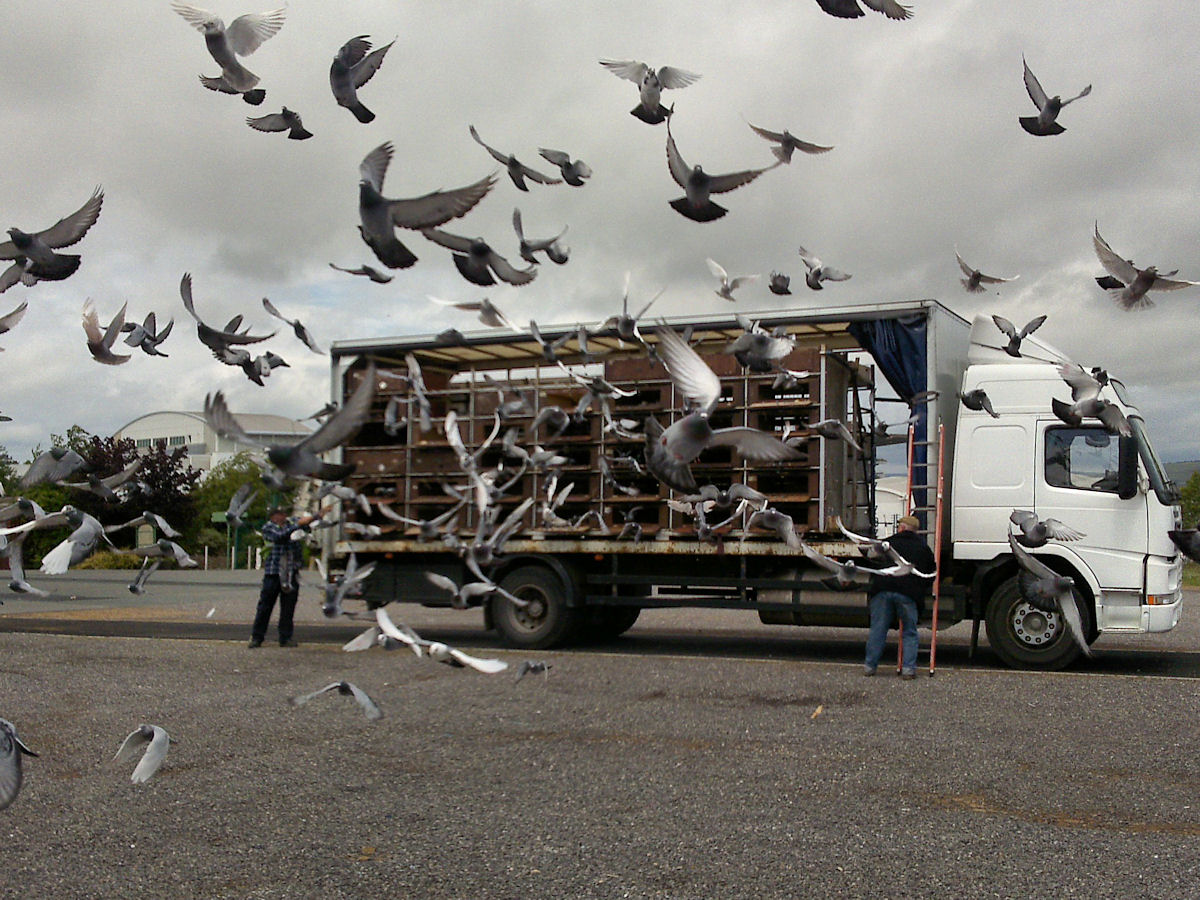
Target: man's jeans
272	588
885	608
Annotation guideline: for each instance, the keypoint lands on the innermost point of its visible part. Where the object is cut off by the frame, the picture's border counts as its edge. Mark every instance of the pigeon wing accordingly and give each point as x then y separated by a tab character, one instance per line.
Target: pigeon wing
629	69
374	165
364	70
346	421
680	170
487	666
690	373
221	420
1034	87
67	231
753	444
720	184
369	706
671	77
1115	265
247	33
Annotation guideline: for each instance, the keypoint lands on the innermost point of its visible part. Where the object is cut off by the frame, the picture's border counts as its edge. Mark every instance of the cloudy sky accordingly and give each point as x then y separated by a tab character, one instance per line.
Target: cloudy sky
922	113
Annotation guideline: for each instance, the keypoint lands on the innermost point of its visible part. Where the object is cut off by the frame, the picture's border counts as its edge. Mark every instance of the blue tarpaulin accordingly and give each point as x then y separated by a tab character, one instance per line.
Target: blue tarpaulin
899	349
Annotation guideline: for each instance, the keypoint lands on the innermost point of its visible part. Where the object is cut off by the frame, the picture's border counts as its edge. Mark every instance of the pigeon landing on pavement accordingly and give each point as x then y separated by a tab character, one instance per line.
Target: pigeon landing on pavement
651	83
155	740
1045	122
33	254
351	69
347	689
244	35
379	216
12	748
699	185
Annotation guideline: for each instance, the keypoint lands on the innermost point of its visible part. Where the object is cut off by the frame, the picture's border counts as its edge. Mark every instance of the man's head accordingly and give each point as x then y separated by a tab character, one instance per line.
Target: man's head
908	523
277	514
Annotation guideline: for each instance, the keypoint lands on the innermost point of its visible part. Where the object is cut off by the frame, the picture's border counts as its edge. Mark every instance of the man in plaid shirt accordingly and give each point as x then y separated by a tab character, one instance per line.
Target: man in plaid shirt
281	577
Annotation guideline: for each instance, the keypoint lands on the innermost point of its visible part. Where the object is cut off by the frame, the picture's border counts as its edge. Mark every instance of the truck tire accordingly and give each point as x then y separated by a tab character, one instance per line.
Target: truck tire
1025	637
546	621
604	623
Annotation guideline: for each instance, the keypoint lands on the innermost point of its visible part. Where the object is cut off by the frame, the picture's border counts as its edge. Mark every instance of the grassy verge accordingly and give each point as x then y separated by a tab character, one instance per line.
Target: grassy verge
1191	574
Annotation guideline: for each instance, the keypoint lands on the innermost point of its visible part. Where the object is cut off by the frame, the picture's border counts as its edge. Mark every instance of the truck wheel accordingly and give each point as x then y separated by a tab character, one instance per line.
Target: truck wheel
546	621
604	623
1026	637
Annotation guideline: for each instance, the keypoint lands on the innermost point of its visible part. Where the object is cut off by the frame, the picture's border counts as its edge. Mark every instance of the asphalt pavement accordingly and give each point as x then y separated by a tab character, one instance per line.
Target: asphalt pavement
701	755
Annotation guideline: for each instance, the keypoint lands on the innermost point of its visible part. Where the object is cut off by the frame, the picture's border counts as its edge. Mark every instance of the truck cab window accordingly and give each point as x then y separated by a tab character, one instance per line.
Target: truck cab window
1084	459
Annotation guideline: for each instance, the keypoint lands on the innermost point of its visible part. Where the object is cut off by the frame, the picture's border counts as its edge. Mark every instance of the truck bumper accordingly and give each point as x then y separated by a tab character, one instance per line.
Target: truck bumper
1163	614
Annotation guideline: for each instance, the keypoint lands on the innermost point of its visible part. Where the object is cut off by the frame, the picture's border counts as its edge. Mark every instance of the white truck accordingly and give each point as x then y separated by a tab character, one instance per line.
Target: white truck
582	582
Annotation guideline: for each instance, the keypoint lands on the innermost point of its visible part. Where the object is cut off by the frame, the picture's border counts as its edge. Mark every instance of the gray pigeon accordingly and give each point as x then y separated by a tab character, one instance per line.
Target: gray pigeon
555	251
351	69
244	35
239	503
100	341
218	83
12	748
346	689
1049	591
17	582
669	452
532	667
284	120
297	326
1036	532
780	284
380	216
301	459
1132	283
1188	542
776	521
625	324
374	274
8	322
476	261
146	335
849	9
651	83
788	143
218	341
1109	414
55	464
33	254
979	401
699	185
155	740
1013	348
1045	122
489	314
106	488
146	518
79	544
337	590
517	170
975	280
573	171
818	271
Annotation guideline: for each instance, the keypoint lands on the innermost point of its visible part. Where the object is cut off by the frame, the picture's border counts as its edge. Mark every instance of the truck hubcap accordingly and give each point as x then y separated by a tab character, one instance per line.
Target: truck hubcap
1034	626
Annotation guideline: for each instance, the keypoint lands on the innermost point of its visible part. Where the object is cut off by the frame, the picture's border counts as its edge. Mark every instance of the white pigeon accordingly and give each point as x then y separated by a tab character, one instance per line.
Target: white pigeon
156	740
651	83
728	285
244	35
435	649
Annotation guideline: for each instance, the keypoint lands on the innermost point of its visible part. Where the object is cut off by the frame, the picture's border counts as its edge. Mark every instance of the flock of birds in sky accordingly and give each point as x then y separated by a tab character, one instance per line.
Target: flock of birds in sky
35	256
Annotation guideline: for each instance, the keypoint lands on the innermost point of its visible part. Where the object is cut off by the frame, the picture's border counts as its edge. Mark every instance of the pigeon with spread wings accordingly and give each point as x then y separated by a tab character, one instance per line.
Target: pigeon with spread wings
244	35
302	460
651	83
699	185
1132	284
33	254
351	69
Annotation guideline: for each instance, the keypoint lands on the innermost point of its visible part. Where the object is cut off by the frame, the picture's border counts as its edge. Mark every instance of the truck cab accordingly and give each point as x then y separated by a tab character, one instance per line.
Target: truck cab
1127	572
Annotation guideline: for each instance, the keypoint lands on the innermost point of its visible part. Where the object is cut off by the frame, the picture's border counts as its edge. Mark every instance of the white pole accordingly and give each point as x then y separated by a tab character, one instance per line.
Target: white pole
206	558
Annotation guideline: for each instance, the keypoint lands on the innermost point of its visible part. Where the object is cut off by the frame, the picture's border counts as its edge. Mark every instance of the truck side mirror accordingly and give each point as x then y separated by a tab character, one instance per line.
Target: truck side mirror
1127	468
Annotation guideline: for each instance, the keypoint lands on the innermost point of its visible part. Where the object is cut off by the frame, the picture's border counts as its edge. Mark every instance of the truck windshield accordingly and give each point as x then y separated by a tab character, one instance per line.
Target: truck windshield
1164	488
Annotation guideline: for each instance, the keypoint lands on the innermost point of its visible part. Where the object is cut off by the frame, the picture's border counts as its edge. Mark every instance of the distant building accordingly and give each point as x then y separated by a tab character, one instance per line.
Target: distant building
205	448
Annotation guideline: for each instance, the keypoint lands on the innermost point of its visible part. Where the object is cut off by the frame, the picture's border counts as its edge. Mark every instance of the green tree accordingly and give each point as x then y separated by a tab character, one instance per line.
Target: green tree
1191	500
212	495
8	471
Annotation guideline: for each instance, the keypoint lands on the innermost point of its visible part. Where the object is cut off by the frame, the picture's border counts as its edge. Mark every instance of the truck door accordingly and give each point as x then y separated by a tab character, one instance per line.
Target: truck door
1080	484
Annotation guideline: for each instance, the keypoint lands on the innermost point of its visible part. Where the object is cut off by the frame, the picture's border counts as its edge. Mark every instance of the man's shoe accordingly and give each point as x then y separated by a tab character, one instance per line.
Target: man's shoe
254	644
868	671
288	643
909	674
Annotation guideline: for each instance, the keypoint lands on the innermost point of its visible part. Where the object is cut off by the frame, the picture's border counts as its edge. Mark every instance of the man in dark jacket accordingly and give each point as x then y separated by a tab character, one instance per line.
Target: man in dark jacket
893	597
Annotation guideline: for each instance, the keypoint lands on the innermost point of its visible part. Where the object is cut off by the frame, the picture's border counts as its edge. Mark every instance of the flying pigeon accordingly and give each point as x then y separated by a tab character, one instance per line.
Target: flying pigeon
669	452
374	274
728	285
351	69
435	649
12	748
301	459
146	518
8	322
33	254
489	313
780	284
1044	123
55	464
651	83
1013	348
239	503
297	326
100	340
284	120
624	324
156	741
1109	414
244	35
214	339
818	271
532	667
979	401
849	9
380	216
788	143
550	246
146	335
1035	532
78	545
218	83
476	261
347	689
1049	591
975	280
517	170
1132	283
698	185
573	171
340	587
471	593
